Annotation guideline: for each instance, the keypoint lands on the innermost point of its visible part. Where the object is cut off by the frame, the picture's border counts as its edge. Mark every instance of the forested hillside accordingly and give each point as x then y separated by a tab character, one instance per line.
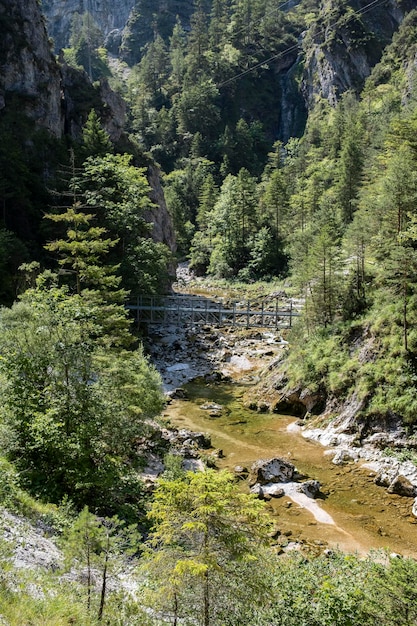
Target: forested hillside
260	141
285	132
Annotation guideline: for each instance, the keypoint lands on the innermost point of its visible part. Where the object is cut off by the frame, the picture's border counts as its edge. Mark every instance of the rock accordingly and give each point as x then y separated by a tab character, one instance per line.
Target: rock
275	533
193	465
215	410
402	487
31	548
310	488
200	439
275	491
271	471
187	441
266	492
241	473
414	509
178	367
179	394
30	79
257	490
344	456
383	479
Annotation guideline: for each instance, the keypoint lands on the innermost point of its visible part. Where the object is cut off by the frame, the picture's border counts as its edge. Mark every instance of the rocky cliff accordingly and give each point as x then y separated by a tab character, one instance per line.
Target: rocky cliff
58	98
127	25
110	16
30	80
343	45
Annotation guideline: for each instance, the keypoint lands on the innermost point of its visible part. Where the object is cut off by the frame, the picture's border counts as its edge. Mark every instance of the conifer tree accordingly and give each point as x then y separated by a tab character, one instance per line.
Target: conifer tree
204	534
96	141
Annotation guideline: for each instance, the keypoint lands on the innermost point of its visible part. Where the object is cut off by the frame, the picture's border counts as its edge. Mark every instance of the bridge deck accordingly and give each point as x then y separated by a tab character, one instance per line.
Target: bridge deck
182	310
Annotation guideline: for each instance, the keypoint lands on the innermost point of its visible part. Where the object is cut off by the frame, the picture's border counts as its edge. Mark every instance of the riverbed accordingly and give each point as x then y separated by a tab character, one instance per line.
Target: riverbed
357	514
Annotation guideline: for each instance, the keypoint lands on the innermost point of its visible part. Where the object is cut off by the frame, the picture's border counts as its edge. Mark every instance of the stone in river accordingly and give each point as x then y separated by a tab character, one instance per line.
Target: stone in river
274	470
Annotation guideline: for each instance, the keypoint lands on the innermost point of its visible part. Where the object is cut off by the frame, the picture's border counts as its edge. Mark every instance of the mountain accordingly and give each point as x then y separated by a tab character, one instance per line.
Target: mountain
111	17
29	77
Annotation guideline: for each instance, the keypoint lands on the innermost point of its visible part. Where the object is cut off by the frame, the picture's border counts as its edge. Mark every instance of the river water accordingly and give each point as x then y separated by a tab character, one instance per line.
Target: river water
362	515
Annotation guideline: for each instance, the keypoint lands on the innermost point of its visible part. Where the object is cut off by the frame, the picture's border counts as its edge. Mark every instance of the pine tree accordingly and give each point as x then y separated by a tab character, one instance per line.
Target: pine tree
204	533
96	141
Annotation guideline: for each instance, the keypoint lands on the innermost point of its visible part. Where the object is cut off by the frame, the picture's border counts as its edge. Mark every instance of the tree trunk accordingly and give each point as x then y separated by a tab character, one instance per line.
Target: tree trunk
104	582
206	599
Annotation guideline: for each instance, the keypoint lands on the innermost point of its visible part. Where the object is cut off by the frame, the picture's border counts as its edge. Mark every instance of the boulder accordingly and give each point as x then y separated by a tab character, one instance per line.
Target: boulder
384	478
274	470
344	456
241	472
310	488
214	409
267	491
402	487
211	406
178	393
187	438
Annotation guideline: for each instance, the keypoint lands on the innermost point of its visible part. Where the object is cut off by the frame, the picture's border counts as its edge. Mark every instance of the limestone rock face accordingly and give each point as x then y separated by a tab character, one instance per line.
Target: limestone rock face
162	226
29	76
341	55
109	15
126	25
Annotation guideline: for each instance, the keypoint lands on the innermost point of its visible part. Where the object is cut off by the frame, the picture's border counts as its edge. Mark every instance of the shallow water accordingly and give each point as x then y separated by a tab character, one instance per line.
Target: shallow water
365	516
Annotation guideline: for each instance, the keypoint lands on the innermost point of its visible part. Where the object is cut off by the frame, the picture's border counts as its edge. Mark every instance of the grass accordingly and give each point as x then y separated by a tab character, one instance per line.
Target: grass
365	357
234	290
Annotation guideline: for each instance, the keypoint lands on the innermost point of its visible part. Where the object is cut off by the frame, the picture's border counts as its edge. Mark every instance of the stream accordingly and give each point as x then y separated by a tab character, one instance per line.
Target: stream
352	512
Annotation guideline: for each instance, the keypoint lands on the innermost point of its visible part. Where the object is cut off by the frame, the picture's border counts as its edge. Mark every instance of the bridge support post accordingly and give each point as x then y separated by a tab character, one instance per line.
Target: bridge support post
276	314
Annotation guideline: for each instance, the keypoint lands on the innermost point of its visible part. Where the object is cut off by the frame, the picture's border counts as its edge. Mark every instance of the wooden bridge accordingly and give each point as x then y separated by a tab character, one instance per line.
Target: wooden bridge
185	310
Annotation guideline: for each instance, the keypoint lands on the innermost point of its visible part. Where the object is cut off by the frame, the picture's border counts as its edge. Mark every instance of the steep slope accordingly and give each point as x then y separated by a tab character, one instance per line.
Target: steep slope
345	42
126	25
30	80
43	108
110	16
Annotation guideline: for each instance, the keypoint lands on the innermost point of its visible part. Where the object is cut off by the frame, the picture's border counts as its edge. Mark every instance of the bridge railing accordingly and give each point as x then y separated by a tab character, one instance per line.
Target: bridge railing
185	309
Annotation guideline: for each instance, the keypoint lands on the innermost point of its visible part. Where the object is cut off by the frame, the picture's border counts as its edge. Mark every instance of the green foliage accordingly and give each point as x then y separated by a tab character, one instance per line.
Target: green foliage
72	411
119	191
96	141
397	601
86	51
102	546
205	537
